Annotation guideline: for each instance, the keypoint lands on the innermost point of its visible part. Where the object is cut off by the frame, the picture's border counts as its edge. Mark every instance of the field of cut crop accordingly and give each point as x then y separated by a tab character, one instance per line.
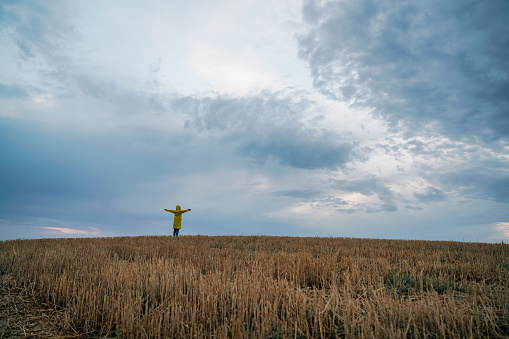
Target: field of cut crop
263	287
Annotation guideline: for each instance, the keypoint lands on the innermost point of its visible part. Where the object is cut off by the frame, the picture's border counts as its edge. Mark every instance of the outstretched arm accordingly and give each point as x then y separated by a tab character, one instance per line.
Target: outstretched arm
184	211
167	210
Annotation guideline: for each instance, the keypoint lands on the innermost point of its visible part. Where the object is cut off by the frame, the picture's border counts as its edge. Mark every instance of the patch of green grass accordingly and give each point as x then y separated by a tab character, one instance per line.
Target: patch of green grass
405	284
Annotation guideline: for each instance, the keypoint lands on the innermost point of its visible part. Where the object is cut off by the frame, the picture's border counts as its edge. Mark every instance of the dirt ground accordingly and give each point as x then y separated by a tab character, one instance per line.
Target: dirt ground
21	316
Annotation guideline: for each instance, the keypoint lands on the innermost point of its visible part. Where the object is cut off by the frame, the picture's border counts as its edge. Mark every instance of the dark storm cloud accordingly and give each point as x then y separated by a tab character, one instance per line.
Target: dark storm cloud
338	204
296	148
490	182
266	126
369	187
124	100
95	87
432	194
417	62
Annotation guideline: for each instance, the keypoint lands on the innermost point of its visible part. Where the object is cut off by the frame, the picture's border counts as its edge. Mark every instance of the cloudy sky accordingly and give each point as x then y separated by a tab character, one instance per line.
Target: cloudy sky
362	118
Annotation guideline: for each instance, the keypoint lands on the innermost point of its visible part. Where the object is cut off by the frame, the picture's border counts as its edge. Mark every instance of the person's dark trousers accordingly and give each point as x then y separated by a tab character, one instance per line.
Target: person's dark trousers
175	232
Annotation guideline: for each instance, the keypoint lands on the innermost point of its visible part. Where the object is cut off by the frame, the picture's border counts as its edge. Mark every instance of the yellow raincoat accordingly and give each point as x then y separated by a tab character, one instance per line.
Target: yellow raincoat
178	216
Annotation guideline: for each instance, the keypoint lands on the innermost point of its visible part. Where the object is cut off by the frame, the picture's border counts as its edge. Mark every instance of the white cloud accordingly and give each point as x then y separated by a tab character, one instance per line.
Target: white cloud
223	72
71	231
502	228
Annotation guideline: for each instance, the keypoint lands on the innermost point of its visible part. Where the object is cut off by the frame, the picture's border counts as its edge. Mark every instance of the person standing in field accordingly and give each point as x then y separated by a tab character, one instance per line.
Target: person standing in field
177	220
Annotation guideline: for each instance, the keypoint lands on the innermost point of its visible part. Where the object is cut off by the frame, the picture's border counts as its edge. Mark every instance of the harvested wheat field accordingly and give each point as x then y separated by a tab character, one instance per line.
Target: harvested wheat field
257	287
